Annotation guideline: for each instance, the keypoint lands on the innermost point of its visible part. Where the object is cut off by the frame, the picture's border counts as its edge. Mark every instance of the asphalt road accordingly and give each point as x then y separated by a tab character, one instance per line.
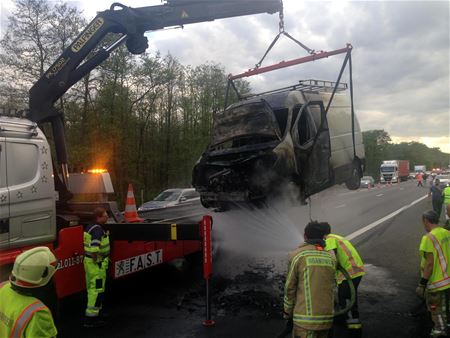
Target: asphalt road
251	263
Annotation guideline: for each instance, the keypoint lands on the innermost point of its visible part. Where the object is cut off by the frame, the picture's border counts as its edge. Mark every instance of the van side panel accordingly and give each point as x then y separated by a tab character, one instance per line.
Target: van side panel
340	124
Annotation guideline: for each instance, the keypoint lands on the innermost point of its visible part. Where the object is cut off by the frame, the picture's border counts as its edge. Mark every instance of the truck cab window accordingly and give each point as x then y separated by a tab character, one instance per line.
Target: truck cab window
22	162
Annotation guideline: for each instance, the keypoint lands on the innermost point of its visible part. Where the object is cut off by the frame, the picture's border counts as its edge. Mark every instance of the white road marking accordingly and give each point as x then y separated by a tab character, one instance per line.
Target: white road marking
381	220
379	195
340	206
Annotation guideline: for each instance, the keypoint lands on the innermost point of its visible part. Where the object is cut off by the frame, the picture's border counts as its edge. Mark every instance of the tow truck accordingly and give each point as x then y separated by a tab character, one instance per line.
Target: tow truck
32	213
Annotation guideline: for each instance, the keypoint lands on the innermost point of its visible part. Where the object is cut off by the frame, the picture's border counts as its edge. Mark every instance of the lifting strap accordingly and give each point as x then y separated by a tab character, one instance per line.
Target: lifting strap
282	32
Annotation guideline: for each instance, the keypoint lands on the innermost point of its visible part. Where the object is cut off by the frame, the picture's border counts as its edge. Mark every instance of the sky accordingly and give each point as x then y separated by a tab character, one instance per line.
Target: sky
400	55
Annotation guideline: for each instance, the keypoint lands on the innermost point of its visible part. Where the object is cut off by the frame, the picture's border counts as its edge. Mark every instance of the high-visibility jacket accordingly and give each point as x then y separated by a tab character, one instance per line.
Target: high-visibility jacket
23	316
446	195
308	292
346	256
97	244
437	242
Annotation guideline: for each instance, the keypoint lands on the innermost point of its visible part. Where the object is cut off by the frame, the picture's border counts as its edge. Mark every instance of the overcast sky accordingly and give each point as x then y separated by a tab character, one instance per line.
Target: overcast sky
400	56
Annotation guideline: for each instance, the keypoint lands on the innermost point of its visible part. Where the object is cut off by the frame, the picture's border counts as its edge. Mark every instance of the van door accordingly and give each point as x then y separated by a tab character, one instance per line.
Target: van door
31	189
312	147
4	199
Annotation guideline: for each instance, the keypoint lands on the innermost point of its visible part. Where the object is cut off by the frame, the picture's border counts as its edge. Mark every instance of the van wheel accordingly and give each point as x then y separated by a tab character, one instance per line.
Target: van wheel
354	181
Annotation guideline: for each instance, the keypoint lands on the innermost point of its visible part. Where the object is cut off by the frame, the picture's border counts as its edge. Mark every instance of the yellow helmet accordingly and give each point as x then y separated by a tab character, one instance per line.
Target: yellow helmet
34	268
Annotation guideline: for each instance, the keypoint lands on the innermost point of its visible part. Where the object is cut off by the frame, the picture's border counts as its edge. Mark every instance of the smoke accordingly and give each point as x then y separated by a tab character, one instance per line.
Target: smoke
248	238
252	238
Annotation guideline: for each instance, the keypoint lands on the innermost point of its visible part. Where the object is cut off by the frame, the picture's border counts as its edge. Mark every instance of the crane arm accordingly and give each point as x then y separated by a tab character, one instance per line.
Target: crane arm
129	24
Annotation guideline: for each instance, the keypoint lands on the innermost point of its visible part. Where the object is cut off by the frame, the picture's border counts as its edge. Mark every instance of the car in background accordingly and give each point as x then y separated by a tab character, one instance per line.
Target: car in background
444	180
367	181
412	176
171	198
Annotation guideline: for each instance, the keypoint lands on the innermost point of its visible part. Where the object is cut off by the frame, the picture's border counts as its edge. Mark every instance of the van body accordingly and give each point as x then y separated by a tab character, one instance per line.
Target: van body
284	136
27	193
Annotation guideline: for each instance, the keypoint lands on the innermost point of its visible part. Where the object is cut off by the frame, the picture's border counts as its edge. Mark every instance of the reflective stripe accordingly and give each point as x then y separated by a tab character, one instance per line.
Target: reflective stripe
307	292
439	284
90	255
326	319
25	317
95	241
441	256
94	227
442	263
355	268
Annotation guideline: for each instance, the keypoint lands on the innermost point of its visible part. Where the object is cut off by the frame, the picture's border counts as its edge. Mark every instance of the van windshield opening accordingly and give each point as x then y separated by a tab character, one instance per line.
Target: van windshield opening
246	120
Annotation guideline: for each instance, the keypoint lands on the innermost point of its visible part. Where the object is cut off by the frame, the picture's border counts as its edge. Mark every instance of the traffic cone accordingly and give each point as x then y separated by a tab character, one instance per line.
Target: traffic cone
131	214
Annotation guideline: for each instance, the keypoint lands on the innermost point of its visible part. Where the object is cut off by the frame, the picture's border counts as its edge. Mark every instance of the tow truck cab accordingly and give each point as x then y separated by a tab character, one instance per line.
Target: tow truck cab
261	143
27	192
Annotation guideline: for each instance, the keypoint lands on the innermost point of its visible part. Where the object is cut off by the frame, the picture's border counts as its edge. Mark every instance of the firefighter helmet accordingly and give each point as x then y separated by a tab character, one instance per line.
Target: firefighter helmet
34	268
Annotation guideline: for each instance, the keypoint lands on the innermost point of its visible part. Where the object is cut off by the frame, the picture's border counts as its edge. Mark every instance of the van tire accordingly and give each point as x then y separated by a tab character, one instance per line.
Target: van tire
354	181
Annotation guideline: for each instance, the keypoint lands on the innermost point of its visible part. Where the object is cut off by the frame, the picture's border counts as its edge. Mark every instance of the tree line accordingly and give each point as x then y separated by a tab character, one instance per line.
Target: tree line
379	148
145	118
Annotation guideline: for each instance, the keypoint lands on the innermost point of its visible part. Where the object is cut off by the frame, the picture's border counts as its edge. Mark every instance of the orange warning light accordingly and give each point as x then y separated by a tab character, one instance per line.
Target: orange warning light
97	171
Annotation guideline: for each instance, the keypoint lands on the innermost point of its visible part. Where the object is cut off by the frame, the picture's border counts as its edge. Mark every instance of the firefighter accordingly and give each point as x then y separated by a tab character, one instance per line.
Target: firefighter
349	259
22	313
96	261
308	292
435	282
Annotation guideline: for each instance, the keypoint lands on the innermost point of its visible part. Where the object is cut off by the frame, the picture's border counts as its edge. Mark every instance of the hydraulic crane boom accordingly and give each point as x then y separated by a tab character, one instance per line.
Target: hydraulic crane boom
130	24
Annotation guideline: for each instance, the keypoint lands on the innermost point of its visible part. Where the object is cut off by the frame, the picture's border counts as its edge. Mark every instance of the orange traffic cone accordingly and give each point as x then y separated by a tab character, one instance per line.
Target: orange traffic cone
131	214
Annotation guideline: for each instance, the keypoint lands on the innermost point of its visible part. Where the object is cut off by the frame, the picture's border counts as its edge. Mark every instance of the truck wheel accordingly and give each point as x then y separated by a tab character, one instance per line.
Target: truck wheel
354	181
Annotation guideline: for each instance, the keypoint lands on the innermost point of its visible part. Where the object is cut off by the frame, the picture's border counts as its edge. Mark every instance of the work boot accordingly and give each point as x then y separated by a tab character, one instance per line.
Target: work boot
354	328
437	333
92	322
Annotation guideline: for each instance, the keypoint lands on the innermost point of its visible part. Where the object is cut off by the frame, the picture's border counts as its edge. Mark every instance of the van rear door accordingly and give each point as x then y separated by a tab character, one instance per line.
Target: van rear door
4	199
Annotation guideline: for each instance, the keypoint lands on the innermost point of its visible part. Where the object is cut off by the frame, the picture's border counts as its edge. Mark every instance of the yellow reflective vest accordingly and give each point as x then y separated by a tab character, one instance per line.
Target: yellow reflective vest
23	316
346	256
446	195
308	292
437	242
93	245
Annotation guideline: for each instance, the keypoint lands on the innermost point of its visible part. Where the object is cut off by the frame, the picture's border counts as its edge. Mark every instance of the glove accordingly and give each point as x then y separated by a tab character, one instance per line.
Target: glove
420	291
286	315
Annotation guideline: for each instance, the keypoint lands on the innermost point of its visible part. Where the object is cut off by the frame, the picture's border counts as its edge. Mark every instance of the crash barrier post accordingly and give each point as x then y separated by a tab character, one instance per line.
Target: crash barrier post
206	225
131	214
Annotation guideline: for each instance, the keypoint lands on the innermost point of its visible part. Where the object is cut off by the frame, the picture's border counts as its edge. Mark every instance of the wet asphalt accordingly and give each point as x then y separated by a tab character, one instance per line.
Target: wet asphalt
248	278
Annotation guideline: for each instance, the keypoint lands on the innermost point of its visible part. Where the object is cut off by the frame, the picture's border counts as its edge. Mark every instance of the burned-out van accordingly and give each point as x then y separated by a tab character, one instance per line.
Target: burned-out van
262	143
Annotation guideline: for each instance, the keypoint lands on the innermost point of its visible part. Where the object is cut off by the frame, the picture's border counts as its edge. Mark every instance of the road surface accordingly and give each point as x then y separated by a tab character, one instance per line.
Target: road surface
384	224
